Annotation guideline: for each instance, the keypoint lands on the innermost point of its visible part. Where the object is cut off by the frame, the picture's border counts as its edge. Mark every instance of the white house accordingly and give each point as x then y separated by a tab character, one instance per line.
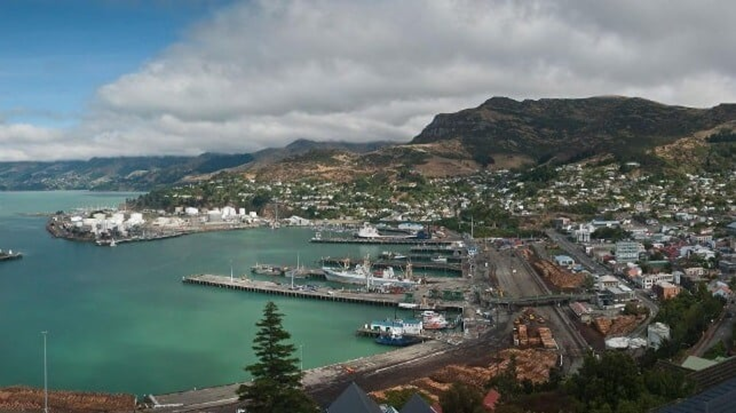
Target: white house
647	281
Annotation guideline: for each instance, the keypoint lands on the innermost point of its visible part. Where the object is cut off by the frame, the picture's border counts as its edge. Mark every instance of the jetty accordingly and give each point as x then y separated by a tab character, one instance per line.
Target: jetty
311	292
285	290
380	241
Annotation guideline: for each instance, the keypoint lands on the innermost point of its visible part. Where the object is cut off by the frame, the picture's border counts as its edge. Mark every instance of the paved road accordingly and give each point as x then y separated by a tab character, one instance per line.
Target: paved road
576	252
573	345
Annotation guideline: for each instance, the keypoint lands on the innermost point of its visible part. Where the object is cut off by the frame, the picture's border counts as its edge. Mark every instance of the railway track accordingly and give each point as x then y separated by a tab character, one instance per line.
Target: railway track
578	345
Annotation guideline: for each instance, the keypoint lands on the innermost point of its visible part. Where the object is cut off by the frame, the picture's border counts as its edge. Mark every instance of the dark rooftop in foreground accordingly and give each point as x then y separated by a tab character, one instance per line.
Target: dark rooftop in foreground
717	399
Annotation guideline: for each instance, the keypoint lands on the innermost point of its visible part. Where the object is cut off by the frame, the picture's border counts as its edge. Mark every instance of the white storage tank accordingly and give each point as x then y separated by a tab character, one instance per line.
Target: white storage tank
656	333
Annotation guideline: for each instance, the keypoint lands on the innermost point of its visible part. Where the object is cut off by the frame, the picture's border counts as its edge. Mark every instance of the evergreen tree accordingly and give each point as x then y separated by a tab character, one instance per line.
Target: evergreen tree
276	385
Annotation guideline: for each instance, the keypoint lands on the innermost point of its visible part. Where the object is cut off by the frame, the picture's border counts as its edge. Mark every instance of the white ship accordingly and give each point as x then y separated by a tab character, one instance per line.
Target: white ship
368	231
361	275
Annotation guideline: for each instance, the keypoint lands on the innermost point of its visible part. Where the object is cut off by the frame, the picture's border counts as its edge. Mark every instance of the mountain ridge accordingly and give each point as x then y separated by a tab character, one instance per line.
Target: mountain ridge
142	173
500	133
585	126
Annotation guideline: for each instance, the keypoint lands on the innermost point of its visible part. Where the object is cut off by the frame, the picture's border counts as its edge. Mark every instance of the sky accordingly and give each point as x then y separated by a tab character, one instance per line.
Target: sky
86	78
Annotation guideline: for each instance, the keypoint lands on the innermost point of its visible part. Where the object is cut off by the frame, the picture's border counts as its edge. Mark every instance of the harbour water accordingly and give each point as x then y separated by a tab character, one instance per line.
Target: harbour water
120	319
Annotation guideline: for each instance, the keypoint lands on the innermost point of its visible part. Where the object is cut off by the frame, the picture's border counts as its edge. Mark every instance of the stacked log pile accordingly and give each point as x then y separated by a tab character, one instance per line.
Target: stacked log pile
559	277
545	334
528	331
616	326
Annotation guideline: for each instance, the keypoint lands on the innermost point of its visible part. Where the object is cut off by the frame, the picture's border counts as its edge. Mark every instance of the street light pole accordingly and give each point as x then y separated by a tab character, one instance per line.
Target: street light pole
45	377
301	357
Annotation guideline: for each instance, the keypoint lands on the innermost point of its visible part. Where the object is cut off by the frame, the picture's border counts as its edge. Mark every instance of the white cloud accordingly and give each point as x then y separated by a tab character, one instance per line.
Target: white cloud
263	73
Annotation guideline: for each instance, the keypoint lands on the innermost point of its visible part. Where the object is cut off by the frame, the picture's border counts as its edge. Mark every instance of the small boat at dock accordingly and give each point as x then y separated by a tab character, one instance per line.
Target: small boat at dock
266	269
390	255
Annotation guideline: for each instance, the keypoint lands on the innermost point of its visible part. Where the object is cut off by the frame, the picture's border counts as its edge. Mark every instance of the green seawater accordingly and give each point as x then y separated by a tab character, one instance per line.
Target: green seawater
120	319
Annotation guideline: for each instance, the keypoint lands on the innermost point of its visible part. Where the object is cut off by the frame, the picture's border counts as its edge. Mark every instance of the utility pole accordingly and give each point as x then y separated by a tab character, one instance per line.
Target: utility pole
45	377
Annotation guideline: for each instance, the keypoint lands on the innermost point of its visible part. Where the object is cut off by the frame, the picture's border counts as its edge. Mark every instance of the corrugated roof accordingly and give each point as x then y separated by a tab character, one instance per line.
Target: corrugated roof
697	363
353	400
416	405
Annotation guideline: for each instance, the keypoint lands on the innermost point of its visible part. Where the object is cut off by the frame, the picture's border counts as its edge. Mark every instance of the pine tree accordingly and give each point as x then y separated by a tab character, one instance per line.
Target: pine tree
276	385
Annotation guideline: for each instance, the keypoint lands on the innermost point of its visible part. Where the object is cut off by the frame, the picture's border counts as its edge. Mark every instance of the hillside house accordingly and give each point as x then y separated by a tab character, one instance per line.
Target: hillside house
666	290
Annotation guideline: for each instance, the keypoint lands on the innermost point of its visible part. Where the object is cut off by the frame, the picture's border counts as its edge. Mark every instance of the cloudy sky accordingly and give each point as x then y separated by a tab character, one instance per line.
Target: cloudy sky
133	77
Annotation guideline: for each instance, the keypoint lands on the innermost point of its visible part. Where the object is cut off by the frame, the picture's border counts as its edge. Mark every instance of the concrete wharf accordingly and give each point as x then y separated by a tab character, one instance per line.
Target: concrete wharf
269	287
380	241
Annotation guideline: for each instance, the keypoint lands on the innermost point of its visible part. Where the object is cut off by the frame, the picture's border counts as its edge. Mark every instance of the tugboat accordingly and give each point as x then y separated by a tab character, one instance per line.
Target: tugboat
10	255
398	340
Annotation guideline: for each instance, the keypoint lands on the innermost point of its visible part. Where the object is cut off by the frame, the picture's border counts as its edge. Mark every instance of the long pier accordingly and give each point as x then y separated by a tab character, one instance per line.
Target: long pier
380	241
284	290
267	287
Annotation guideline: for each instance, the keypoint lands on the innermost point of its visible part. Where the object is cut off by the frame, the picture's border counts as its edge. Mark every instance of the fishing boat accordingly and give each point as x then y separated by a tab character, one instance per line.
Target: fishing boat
297	272
439	259
265	269
10	255
361	275
390	255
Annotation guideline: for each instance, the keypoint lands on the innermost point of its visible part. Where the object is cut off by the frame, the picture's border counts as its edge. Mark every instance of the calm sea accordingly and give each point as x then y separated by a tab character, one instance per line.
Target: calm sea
120	320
